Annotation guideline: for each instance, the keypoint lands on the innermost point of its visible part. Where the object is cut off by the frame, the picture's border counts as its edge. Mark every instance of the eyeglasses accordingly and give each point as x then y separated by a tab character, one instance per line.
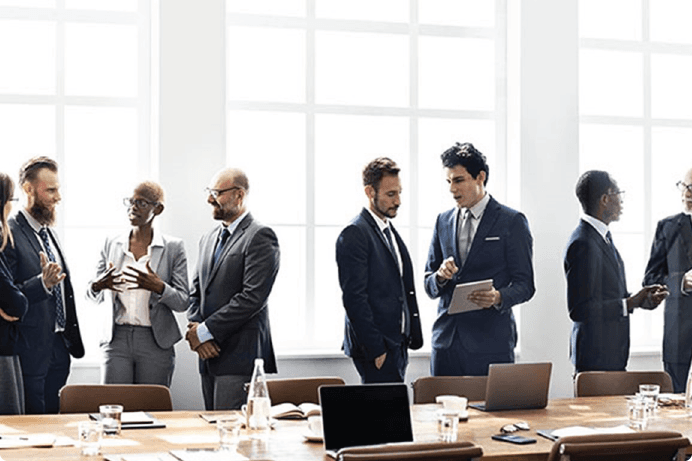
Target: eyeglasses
519	426
139	203
215	193
16	199
619	193
684	187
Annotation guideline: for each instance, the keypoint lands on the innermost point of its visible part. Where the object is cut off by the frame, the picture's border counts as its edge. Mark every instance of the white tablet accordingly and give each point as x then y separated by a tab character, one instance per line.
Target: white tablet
460	302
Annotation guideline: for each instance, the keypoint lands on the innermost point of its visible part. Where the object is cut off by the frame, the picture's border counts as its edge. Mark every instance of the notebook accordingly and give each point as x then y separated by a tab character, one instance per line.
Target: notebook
366	414
514	386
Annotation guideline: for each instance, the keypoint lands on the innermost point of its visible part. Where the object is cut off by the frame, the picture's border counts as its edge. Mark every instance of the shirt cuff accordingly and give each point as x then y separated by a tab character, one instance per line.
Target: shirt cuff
624	308
203	333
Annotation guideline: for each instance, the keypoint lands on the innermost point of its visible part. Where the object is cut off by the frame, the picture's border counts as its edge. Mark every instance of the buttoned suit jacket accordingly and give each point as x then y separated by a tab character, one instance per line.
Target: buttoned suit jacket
596	286
231	297
38	325
373	290
671	258
170	264
502	250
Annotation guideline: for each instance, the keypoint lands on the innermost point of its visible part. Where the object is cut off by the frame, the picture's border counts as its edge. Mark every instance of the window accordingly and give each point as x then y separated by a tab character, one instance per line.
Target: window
78	90
329	85
636	121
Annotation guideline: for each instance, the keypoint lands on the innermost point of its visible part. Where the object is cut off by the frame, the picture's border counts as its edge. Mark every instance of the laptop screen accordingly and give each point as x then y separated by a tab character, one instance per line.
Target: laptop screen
367	414
513	386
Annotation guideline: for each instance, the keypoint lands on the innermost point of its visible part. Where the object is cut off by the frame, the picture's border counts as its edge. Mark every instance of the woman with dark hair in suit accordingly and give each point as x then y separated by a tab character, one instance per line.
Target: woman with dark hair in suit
13	306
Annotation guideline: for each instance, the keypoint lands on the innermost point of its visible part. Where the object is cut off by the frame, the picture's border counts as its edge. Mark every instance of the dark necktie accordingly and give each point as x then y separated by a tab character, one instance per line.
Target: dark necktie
223	237
613	250
465	239
57	290
390	243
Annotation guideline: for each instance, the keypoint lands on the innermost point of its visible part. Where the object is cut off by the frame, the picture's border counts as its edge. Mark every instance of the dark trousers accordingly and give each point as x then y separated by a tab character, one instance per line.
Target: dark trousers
678	372
41	387
393	370
457	361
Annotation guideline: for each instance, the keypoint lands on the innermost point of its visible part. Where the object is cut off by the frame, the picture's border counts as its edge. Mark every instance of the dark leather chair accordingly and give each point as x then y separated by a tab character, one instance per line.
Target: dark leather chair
425	389
299	390
86	398
596	383
637	446
412	451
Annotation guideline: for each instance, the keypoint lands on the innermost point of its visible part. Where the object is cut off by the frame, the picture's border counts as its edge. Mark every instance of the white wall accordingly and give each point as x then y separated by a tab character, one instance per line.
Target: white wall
192	148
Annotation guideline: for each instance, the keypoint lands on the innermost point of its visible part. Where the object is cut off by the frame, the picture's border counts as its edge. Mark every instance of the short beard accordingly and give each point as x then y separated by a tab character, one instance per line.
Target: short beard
44	216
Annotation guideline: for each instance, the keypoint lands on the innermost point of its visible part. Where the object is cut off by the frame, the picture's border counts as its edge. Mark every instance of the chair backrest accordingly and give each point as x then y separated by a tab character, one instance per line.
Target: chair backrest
413	451
638	446
425	389
299	390
86	398
594	383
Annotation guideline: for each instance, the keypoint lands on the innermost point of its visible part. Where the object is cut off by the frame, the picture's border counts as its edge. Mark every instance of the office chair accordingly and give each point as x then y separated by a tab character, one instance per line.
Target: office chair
425	389
86	398
299	390
637	446
412	451
596	383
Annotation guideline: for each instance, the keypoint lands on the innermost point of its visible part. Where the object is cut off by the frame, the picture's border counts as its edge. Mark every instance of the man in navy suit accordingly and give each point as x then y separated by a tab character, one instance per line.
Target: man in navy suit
476	240
376	277
50	329
597	298
671	264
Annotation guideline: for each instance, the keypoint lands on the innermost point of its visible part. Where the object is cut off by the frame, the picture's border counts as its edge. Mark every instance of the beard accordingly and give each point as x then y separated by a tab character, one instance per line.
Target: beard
220	214
45	216
388	212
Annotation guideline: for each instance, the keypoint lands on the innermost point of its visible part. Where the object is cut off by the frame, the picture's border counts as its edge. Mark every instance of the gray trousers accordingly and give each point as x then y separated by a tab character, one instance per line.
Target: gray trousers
225	392
133	357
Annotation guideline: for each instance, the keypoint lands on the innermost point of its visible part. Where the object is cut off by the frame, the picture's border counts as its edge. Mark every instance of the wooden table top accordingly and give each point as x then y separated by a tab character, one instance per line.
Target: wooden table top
286	442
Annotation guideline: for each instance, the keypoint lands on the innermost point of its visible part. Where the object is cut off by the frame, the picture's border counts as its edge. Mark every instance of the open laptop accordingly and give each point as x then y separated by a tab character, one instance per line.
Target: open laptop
366	414
514	386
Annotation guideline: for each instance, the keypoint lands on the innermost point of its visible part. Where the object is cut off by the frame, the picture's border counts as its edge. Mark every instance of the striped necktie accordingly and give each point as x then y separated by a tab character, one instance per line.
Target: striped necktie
57	289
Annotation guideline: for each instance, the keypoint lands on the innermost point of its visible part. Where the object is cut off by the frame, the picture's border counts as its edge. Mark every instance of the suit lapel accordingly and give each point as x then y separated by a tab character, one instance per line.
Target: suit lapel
232	240
383	240
685	226
29	233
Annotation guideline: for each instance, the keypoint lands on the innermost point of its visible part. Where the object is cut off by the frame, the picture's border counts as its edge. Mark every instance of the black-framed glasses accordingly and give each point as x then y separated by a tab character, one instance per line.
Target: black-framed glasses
684	187
215	193
518	426
618	193
16	199
138	202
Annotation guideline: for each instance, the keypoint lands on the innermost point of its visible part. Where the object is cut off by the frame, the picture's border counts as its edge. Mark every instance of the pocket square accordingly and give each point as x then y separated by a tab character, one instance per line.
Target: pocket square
489	239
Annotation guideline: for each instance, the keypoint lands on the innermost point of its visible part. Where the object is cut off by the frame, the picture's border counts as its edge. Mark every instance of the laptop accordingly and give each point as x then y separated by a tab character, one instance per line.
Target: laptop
365	414
515	386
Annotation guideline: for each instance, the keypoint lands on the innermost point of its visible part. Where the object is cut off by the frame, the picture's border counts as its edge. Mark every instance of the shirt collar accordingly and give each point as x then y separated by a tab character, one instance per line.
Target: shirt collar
479	208
31	220
381	223
234	225
600	226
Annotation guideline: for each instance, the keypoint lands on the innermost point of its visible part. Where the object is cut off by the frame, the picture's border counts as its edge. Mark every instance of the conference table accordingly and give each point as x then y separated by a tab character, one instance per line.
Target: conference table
188	430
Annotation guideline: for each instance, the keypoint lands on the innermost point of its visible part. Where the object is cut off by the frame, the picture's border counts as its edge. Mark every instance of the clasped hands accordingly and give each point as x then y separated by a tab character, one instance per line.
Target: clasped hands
113	280
206	350
483	298
648	297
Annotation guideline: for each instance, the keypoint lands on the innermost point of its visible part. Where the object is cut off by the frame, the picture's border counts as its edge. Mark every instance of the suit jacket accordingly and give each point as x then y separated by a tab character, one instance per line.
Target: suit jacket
596	287
374	291
170	264
13	303
502	250
231	297
671	258
38	325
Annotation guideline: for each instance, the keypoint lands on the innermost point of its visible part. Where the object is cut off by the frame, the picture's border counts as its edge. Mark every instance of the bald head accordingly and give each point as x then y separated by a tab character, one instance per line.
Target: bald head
227	193
230	177
686	192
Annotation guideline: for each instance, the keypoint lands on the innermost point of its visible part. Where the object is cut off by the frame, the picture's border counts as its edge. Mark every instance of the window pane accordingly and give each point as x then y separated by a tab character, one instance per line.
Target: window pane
671	93
102	5
670	149
610	19
29	68
329	309
670	21
448	80
361	69
101	60
364	10
287	304
96	136
29	3
25	131
610	83
619	151
272	69
271	7
275	167
435	136
469	13
344	144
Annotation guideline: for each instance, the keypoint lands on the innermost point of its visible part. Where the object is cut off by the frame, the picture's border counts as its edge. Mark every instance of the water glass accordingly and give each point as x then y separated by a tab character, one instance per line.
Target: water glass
638	413
447	424
111	416
229	431
90	437
650	392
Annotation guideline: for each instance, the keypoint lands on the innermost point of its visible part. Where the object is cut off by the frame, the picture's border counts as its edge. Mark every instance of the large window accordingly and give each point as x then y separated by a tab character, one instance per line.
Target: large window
328	85
75	86
636	121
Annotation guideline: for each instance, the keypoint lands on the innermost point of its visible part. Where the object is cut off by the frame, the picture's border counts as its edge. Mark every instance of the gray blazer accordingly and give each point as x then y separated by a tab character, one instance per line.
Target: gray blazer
169	262
231	297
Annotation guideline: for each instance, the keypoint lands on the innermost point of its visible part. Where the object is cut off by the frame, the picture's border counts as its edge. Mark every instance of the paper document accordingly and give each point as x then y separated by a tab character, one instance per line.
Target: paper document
460	302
